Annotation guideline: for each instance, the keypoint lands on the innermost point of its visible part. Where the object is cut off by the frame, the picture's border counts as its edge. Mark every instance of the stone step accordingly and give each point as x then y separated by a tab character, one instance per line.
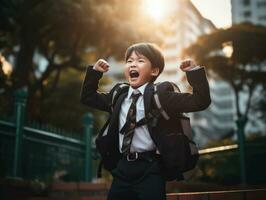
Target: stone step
256	194
89	191
68	198
73	190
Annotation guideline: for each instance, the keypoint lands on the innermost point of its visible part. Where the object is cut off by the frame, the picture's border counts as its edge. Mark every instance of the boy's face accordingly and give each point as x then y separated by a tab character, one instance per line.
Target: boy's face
138	70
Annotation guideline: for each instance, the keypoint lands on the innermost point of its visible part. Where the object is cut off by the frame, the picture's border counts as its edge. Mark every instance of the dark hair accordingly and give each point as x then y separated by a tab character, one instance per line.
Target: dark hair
149	50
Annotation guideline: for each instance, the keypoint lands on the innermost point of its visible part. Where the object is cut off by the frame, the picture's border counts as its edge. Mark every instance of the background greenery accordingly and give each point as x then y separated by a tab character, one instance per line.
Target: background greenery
68	35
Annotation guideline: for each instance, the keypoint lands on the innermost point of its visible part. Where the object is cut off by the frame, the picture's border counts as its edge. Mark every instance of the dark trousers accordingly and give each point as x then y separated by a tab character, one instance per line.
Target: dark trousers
137	180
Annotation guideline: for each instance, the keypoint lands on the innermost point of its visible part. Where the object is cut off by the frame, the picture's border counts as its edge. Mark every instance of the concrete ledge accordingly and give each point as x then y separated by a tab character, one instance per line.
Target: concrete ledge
254	194
78	190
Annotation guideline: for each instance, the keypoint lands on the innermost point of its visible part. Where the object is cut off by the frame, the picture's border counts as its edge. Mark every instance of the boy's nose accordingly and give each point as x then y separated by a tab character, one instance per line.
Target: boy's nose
133	64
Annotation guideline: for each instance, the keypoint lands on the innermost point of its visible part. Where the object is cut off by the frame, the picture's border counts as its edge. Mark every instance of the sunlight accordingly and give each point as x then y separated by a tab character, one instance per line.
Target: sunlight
157	9
228	49
6	66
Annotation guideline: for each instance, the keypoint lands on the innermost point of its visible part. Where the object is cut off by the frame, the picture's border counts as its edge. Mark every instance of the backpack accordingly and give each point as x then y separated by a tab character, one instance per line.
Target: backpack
189	152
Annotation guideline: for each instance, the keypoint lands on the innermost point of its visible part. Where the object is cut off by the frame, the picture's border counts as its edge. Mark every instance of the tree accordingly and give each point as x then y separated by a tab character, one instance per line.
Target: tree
62	107
61	35
236	55
65	33
244	69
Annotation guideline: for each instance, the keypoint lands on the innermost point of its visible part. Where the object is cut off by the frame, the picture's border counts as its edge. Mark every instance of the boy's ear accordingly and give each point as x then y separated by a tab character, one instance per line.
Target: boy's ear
155	71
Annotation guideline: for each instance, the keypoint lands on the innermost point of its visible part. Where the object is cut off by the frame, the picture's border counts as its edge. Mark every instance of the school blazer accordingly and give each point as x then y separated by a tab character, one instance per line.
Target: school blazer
172	102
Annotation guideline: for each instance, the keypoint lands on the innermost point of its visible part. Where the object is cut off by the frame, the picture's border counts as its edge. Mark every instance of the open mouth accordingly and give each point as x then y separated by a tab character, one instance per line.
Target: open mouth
133	74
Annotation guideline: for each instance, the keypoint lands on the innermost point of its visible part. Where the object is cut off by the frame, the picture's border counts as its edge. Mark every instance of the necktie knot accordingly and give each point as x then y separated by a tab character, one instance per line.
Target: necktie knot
135	95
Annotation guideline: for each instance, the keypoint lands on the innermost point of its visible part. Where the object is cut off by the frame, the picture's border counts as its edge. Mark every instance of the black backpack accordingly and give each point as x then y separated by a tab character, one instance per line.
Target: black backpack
185	144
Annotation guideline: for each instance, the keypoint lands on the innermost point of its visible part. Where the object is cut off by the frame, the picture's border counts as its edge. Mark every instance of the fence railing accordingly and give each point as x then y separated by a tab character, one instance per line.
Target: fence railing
35	151
32	151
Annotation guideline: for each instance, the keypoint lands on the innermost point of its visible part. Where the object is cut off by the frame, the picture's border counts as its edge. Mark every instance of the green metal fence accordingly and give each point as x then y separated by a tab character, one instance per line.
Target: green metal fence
33	151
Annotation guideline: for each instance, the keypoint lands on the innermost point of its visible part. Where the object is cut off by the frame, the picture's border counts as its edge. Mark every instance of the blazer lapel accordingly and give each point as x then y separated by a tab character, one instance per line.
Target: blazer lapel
115	115
148	93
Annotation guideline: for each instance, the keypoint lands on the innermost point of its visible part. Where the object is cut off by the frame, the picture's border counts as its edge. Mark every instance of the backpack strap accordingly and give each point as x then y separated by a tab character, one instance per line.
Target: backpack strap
120	88
152	116
184	119
158	103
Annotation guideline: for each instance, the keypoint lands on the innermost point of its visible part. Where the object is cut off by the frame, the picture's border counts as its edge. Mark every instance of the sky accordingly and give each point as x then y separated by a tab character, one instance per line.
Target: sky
218	11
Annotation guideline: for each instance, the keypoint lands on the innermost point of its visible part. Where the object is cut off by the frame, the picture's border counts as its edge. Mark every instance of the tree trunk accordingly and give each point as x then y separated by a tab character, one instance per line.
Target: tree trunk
24	62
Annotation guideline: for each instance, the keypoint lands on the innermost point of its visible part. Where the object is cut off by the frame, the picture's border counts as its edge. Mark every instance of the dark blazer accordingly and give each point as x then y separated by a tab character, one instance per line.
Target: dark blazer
172	102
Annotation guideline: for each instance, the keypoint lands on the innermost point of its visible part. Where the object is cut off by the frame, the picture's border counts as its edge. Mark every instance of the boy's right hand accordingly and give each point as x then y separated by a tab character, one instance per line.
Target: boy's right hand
187	65
101	65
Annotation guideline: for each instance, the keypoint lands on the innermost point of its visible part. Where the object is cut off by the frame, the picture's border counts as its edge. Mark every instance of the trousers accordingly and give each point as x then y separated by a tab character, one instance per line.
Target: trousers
140	179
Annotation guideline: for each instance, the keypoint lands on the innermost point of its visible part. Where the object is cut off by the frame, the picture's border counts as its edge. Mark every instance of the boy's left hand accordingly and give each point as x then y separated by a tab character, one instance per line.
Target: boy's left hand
187	65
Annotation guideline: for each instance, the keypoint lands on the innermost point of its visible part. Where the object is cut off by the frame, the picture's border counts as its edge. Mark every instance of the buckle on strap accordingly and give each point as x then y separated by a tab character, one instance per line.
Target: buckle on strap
132	156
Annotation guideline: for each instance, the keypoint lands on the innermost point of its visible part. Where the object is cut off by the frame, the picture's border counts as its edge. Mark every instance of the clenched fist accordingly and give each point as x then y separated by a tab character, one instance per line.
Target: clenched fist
101	65
187	65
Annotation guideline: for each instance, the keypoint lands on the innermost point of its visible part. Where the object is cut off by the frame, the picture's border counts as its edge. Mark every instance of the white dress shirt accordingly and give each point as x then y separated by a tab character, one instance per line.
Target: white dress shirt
141	139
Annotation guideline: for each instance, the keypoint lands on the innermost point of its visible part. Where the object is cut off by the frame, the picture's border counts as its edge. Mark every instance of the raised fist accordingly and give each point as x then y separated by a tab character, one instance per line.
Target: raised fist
187	65
101	65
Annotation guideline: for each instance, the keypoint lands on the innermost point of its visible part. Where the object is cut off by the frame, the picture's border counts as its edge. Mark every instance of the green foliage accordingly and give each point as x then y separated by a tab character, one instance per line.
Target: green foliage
223	167
67	32
62	107
244	64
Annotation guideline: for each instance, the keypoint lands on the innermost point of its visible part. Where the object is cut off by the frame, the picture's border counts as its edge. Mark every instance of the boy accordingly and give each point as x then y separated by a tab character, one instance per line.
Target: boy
137	153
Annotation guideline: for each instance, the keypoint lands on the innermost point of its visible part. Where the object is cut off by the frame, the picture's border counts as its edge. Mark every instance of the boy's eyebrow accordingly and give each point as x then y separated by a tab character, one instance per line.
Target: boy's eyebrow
138	56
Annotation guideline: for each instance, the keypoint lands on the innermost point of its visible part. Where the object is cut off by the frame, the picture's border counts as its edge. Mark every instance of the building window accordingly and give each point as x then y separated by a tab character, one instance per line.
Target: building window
261	4
262	18
247	14
171	45
246	2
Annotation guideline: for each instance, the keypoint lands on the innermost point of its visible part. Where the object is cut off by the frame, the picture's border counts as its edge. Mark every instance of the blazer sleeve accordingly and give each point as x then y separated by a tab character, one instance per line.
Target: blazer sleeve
175	102
89	94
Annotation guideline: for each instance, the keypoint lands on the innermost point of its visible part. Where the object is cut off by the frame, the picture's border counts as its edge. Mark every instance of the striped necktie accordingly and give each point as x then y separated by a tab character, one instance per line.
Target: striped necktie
131	123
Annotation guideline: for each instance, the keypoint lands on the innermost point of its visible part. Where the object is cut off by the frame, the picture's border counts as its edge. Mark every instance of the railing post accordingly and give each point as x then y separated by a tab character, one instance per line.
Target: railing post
87	123
20	105
242	148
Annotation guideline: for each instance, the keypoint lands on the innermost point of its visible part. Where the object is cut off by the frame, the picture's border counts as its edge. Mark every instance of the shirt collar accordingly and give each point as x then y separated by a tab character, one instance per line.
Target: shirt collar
141	89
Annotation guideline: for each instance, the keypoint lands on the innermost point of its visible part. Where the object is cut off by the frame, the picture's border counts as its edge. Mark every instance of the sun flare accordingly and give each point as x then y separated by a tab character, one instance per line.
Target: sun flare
157	9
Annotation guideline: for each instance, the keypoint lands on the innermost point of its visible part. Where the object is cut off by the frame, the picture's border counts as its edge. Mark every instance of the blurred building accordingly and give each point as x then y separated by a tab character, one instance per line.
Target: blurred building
253	11
187	24
217	122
